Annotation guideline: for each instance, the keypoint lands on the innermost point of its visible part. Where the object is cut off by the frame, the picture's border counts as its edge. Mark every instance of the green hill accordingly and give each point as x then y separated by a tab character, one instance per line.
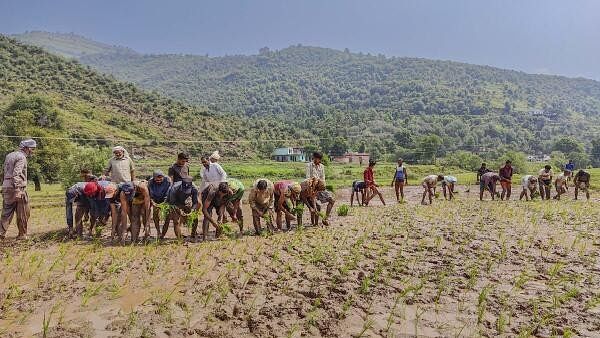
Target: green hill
73	107
376	103
70	45
340	93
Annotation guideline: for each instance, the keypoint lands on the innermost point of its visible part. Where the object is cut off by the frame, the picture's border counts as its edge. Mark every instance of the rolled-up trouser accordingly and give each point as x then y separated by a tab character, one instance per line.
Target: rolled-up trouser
82	209
12	205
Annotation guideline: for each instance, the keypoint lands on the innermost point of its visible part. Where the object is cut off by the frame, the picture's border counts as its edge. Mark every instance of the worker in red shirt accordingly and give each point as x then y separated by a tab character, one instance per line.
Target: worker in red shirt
369	179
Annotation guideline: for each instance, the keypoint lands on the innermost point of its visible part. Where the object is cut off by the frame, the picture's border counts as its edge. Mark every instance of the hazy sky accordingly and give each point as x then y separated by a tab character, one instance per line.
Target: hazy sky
541	36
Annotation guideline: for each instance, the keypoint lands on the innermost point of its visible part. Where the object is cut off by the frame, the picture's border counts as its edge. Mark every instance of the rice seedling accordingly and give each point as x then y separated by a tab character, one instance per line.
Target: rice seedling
342	210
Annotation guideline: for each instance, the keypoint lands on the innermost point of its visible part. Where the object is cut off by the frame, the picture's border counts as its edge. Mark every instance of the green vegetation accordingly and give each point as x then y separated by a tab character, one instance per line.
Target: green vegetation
73	107
70	45
398	104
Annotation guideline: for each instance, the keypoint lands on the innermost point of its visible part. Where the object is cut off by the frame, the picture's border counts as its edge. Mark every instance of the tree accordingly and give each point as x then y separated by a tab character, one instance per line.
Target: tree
595	153
518	159
463	160
428	147
567	145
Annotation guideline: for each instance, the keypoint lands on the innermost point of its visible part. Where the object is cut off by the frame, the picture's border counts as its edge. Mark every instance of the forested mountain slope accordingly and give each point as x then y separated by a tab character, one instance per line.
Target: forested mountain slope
377	103
70	45
44	95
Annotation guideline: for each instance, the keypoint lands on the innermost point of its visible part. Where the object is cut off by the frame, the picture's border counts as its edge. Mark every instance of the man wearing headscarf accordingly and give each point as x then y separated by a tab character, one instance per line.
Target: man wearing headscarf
211	173
99	195
120	166
14	194
214	157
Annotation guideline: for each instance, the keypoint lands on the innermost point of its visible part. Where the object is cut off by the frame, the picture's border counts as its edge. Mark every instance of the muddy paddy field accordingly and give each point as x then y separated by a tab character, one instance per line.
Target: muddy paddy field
453	269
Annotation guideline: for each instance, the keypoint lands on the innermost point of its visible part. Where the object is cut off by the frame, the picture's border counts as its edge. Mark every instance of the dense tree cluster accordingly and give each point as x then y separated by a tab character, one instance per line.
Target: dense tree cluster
394	102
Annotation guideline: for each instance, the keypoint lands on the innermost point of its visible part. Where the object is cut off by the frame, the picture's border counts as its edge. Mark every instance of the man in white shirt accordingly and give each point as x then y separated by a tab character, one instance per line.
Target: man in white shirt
316	169
211	173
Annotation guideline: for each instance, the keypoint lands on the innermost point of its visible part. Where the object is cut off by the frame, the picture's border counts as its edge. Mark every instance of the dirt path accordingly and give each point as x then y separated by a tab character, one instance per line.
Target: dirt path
461	268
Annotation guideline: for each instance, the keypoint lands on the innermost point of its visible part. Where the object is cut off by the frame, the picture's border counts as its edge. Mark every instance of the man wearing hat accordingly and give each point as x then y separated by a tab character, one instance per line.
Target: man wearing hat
178	197
158	187
286	196
120	166
180	168
14	194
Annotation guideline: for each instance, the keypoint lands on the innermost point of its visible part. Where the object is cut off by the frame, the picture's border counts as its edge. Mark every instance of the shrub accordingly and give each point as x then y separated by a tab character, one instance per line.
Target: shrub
342	210
463	160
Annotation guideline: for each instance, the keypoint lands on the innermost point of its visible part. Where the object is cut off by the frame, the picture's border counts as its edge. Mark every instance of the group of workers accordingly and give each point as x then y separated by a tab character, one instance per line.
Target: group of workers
544	180
175	199
131	204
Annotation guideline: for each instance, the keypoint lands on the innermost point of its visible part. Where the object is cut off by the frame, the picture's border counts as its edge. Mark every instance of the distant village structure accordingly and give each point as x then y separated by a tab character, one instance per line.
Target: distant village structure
289	154
352	157
538	158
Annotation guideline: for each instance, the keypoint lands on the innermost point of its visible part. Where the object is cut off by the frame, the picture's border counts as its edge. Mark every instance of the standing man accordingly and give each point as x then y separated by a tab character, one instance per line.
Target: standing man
211	173
316	169
214	157
399	180
14	194
506	174
180	169
120	166
482	170
158	187
570	167
262	200
545	180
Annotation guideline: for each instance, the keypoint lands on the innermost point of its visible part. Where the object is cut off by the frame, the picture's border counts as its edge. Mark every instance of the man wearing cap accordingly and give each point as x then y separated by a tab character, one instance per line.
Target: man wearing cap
178	197
135	203
14	194
120	166
286	196
158	187
261	202
180	168
76	195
